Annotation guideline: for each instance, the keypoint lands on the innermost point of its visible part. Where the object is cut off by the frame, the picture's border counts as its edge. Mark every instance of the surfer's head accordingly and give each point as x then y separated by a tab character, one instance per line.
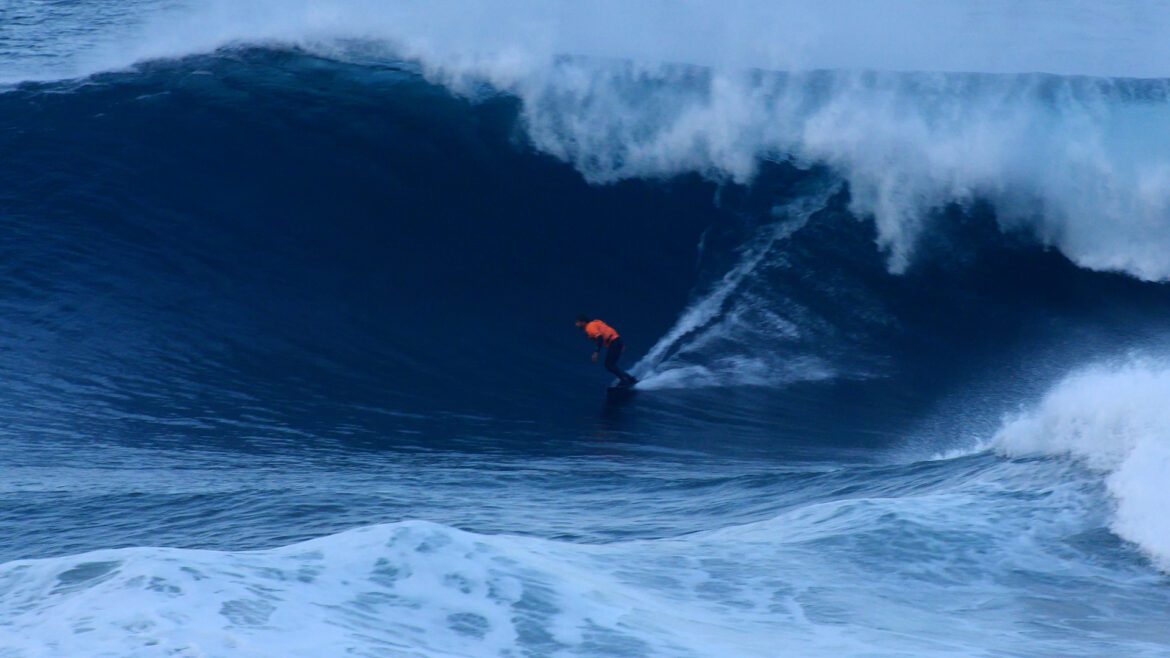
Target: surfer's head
582	319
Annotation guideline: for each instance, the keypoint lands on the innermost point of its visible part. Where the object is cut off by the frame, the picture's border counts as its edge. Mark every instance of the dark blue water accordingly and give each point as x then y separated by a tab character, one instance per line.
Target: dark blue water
289	368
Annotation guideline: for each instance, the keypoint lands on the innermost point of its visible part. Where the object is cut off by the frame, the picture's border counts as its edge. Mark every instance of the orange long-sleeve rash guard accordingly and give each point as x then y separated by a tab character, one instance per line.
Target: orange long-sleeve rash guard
597	329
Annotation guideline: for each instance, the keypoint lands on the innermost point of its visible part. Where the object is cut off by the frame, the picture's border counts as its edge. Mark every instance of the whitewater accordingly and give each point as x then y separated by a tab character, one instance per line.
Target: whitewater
288	363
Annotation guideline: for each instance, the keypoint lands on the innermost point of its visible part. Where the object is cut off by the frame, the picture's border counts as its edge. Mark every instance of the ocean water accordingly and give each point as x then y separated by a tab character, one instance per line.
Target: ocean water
288	366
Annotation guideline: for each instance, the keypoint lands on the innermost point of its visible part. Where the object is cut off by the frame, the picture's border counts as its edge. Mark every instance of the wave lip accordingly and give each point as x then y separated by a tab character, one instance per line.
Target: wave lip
1117	421
1085	37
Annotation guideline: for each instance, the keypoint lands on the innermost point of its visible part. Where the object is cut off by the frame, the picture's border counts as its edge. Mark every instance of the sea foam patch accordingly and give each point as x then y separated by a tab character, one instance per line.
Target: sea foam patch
880	573
1117	421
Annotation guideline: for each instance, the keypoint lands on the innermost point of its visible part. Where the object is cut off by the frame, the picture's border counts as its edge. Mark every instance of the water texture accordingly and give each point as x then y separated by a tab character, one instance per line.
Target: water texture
288	364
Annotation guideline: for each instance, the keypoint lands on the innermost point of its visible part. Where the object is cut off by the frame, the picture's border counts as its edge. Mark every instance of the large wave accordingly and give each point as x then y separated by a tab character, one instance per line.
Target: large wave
305	251
1039	113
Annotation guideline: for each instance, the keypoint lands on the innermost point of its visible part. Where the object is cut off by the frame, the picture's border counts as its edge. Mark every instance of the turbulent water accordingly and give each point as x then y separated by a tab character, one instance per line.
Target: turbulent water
288	364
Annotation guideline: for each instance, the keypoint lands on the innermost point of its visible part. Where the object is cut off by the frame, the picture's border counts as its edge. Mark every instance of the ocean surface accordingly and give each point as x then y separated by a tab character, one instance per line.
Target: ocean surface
288	365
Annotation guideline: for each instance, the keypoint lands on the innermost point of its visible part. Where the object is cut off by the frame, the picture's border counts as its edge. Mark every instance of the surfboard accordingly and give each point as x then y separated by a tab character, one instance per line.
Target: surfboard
619	391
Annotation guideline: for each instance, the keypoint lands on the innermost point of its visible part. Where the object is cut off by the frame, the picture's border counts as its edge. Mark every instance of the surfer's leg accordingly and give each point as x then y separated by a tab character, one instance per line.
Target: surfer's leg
612	354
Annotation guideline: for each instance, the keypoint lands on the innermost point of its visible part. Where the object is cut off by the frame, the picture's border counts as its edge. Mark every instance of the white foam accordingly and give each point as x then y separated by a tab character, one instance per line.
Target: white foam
1116	419
739	332
875	573
412	588
1080	37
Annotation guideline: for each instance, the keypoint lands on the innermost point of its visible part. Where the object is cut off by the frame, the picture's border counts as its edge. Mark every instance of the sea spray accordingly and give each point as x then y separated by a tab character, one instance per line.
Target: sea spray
1116	420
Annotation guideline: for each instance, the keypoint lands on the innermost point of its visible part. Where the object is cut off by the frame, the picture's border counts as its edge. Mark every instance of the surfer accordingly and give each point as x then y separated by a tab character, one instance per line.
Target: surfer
604	335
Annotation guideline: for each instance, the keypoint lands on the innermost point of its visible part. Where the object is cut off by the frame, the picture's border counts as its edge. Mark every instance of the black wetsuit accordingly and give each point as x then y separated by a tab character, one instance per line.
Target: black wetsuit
611	358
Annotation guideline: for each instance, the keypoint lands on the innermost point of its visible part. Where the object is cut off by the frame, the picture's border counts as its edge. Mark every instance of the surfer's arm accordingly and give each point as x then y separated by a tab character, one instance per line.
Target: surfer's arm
596	350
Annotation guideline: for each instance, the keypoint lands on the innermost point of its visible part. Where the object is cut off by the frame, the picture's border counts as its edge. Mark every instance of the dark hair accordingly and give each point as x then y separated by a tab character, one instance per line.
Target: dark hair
581	317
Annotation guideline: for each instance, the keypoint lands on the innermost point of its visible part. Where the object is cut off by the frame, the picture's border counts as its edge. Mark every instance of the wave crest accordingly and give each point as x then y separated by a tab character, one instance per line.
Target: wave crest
1115	419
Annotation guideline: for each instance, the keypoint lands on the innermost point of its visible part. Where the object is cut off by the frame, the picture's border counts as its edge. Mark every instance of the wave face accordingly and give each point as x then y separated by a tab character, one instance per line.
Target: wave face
288	289
1057	120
